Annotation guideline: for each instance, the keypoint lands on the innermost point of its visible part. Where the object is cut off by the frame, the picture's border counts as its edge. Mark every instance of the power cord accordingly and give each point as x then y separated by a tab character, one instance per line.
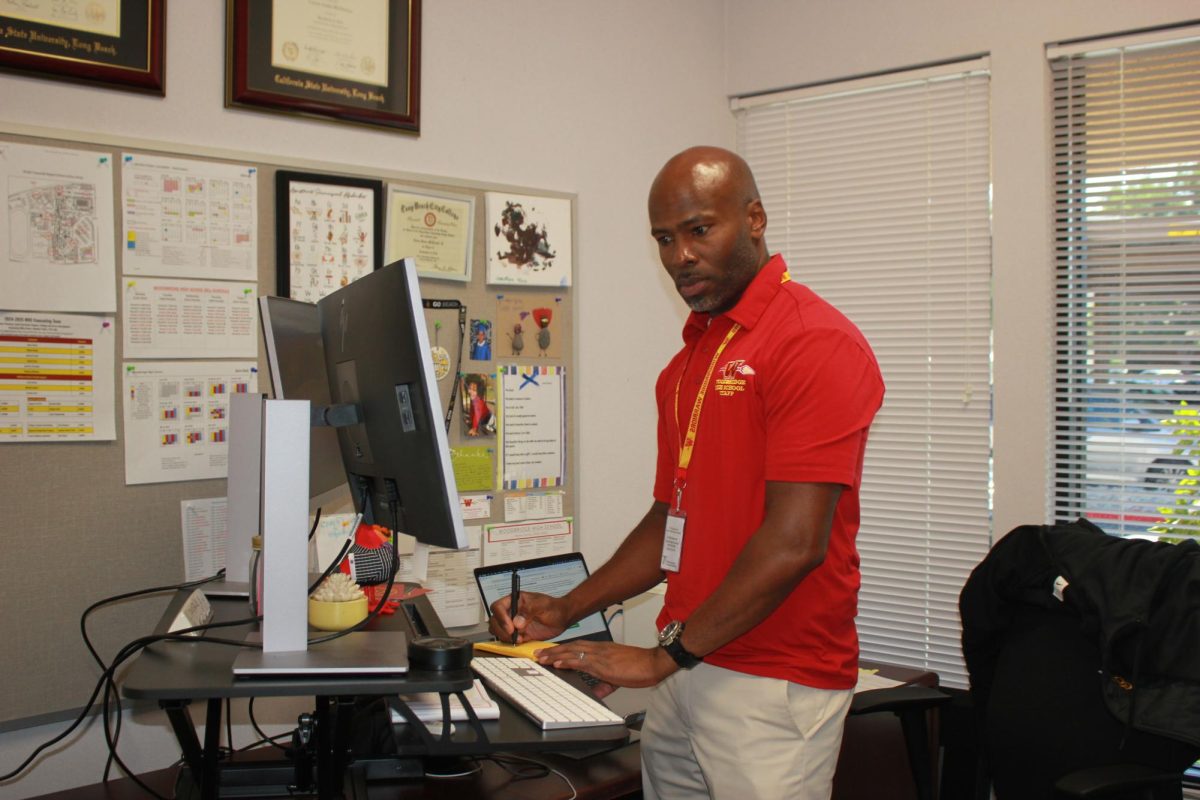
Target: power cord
541	771
106	682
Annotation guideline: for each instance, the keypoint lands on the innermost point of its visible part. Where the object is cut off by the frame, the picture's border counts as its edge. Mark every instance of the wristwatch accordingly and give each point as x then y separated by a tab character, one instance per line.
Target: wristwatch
668	639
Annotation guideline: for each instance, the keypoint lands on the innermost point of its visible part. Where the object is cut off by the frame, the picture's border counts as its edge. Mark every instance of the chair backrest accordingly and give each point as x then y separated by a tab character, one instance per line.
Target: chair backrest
1037	671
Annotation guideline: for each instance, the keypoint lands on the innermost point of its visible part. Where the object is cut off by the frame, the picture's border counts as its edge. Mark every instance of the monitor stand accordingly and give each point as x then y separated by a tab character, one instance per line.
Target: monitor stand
284	638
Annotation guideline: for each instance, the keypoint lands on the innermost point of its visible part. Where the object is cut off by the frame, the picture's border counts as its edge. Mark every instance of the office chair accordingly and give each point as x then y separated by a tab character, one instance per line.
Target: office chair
1056	683
912	704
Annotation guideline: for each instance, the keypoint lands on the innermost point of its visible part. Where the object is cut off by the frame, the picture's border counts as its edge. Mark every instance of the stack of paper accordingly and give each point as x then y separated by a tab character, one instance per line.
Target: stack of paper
428	705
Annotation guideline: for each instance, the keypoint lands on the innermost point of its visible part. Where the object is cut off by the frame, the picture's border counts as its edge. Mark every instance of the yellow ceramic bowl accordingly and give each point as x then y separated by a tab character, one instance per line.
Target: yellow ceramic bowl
329	616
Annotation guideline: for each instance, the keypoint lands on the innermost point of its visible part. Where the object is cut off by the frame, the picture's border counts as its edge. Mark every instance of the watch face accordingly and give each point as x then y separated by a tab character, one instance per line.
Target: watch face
670	633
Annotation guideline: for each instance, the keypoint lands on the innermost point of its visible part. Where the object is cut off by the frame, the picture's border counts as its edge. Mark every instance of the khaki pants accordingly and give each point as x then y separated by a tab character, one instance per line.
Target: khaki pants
712	732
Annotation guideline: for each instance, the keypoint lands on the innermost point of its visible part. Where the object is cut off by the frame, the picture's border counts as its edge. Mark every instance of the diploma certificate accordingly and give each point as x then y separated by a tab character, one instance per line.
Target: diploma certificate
435	229
343	39
92	16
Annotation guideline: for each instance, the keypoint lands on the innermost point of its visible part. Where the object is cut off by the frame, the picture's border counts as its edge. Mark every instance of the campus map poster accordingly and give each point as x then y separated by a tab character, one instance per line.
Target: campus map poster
56	242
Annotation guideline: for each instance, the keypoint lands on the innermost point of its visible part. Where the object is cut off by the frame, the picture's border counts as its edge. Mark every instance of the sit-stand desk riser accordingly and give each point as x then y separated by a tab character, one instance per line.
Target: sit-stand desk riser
176	673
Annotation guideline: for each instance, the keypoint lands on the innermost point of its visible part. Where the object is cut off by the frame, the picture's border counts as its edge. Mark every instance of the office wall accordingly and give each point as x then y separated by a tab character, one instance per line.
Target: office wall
774	45
587	98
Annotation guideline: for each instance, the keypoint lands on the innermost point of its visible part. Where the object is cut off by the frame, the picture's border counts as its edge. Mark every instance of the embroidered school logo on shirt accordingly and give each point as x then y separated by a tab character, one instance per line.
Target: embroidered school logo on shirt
731	378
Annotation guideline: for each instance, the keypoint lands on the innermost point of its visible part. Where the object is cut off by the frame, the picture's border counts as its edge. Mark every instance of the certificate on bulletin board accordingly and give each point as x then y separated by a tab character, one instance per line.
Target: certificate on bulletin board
434	228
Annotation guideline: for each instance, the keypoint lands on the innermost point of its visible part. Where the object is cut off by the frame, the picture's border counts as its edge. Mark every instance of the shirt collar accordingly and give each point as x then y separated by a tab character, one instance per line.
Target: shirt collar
753	302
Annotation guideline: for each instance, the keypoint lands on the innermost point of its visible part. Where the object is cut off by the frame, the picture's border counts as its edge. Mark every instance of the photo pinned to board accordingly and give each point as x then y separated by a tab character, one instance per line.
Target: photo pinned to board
479	405
481	340
531	325
528	240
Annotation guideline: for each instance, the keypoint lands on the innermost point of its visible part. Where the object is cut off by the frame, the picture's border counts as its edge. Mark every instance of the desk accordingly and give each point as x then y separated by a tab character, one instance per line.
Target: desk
872	749
177	673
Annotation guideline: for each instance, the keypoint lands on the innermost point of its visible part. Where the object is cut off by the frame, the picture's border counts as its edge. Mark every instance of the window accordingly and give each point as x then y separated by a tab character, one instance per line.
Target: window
877	193
1127	285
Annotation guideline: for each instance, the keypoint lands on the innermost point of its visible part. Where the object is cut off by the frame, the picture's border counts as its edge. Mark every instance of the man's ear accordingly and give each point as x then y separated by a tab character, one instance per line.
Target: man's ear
756	216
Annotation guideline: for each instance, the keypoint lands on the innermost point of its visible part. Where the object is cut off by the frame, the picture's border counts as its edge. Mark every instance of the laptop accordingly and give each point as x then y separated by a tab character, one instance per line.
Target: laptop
555	576
552	575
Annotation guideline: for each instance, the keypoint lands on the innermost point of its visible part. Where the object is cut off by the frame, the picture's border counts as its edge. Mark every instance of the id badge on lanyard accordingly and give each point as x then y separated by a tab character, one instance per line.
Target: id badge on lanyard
672	552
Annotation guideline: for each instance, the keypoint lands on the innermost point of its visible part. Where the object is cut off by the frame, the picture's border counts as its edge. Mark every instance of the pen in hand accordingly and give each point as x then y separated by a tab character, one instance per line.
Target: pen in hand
514	602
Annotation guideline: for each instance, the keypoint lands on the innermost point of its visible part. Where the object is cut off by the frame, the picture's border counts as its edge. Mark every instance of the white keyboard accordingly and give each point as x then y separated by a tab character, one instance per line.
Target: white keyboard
541	695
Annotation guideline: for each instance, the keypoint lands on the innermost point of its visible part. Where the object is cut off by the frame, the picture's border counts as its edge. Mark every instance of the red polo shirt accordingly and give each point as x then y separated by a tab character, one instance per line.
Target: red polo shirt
791	399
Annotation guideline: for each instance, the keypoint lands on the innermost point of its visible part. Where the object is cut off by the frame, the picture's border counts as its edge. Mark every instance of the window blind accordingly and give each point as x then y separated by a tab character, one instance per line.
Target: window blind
877	194
1126	441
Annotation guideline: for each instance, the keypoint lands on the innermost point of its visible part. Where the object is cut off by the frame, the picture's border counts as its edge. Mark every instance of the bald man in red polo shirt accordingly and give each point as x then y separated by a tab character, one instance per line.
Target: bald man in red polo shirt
763	421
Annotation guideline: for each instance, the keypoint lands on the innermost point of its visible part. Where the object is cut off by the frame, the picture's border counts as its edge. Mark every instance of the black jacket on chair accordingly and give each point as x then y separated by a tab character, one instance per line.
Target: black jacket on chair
1108	673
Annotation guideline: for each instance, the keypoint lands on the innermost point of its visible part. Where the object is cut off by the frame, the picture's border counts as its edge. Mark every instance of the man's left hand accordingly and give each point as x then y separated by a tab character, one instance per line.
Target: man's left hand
614	664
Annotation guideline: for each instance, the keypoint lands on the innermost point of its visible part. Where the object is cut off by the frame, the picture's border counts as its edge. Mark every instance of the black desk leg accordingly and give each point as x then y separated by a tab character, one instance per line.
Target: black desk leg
200	761
335	718
916	742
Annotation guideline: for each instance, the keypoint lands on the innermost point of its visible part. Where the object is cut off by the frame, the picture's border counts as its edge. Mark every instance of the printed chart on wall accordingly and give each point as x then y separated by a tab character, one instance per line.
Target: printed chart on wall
532	431
56	243
177	417
56	377
188	219
174	318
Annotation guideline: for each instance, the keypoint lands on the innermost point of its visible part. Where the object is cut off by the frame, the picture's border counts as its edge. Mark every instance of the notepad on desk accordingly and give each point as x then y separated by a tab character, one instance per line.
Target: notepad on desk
428	705
522	650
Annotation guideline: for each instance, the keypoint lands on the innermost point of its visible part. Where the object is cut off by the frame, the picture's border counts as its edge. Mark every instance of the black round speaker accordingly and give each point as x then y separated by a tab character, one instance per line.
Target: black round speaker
439	652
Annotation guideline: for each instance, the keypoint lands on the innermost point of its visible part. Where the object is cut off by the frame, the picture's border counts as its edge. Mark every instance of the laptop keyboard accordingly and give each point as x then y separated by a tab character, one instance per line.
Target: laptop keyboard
541	695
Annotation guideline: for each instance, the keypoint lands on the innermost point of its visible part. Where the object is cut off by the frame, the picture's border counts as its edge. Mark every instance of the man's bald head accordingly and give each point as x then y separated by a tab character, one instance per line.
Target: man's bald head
708	169
708	220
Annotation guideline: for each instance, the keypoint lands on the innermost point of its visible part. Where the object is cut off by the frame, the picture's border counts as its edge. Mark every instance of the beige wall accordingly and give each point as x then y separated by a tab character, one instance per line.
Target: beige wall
578	97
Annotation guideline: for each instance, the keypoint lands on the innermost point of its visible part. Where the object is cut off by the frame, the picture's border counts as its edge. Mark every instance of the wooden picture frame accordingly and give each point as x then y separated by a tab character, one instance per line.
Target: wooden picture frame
118	44
328	232
354	64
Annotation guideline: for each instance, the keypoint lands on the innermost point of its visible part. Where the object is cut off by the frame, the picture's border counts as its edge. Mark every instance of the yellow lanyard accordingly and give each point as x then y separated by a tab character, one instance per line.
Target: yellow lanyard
689	442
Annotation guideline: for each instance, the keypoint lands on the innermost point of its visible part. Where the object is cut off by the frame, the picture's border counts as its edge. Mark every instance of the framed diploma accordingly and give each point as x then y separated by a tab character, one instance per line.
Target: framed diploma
352	62
329	232
435	228
114	43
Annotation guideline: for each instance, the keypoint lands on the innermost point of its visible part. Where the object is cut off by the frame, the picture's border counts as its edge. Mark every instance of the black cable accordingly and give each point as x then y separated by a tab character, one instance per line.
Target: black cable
391	581
265	738
316	522
87	641
131	649
333	564
109	671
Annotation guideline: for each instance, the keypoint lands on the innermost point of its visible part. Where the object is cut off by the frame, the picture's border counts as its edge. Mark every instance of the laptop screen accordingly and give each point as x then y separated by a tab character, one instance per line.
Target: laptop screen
553	575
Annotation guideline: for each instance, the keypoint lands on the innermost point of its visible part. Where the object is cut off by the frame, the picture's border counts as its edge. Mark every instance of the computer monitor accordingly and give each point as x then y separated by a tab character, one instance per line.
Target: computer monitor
296	361
378	359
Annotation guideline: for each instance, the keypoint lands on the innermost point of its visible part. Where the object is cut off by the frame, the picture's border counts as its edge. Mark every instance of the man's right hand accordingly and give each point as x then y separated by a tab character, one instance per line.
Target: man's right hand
540	618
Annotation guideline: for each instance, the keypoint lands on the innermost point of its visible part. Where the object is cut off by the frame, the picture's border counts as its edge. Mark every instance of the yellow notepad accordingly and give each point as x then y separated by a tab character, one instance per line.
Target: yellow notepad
522	650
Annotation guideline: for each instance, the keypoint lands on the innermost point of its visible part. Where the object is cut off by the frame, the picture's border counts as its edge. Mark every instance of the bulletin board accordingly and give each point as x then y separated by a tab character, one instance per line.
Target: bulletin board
74	532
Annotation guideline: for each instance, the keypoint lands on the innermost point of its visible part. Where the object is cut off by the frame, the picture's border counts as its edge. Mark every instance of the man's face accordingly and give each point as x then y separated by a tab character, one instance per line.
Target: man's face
705	241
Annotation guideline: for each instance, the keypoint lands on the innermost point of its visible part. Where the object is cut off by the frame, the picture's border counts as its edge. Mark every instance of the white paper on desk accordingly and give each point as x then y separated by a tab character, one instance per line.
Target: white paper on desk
205	536
870	679
533	505
177	417
176	318
59	379
56	243
450	578
525	540
428	705
188	219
